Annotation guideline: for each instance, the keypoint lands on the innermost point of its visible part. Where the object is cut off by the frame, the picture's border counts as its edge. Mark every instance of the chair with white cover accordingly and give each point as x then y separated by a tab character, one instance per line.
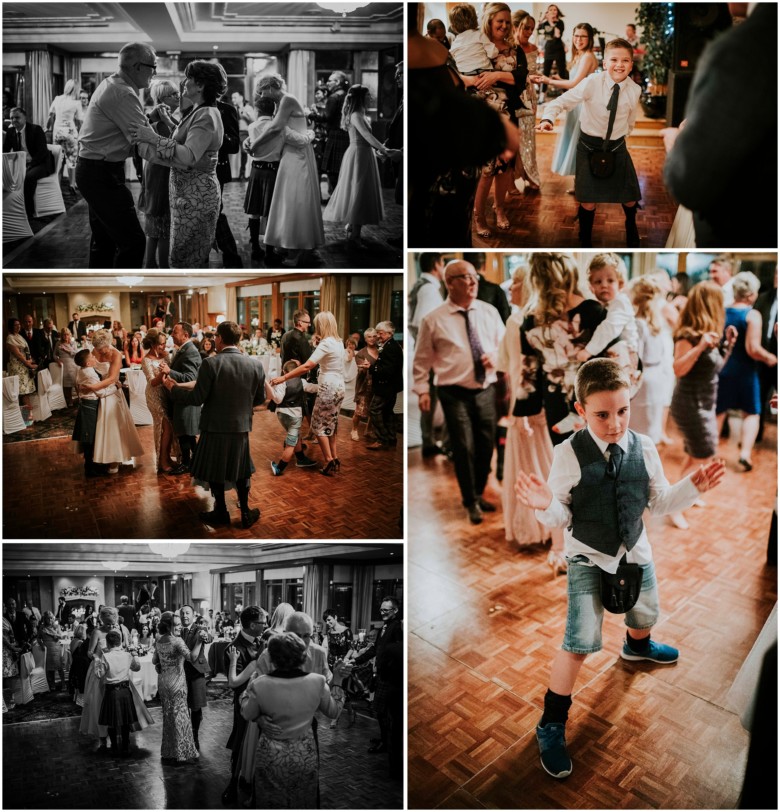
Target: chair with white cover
48	195
56	393
16	226
136	381
38	681
12	413
39	400
23	691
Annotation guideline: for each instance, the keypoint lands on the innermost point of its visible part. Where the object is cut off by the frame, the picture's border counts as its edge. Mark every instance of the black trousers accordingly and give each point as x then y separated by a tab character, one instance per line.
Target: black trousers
559	57
427	427
382	418
470	415
224	236
118	240
34	174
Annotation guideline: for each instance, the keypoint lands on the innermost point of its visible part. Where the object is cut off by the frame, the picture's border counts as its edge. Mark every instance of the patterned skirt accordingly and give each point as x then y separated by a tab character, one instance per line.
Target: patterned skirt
335	148
67	136
194	200
287	774
325	416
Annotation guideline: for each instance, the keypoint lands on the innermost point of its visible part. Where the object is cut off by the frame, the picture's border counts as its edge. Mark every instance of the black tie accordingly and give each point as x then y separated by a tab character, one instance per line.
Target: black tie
612	105
476	348
615	458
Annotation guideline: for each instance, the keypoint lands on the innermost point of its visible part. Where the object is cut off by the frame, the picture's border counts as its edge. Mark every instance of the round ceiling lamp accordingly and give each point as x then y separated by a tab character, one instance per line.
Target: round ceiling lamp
342	8
169	549
130	280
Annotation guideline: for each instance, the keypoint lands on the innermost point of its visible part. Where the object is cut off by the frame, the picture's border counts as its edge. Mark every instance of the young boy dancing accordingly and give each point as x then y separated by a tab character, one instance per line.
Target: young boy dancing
602	479
609	101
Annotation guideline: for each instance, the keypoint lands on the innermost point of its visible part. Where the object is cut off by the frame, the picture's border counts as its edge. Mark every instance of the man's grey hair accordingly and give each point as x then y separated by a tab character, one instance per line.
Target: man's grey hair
135	52
385	327
298	620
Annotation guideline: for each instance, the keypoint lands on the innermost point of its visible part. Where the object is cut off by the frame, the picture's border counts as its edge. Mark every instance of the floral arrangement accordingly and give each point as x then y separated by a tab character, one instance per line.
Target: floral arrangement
137	650
79	592
97	307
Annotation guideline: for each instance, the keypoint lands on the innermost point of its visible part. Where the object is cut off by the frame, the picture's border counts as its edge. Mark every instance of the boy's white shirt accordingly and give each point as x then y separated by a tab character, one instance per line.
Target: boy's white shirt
277	393
472	50
565	473
620	321
89	375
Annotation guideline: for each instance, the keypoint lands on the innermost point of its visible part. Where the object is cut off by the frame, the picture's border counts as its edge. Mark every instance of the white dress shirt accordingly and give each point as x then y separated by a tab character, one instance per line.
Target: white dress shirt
443	345
120	664
594	94
664	498
620	321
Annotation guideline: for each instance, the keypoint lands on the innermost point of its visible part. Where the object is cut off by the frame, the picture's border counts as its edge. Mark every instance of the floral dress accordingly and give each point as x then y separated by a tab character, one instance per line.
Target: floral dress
65	131
177	741
16	367
156	401
526	117
339	643
363	387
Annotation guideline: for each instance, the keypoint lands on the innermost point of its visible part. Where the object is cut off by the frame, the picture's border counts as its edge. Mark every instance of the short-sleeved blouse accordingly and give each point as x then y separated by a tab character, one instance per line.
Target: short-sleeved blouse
329	354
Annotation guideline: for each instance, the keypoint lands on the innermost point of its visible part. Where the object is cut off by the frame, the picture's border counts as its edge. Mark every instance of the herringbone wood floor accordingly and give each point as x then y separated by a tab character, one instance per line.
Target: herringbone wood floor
485	622
47	496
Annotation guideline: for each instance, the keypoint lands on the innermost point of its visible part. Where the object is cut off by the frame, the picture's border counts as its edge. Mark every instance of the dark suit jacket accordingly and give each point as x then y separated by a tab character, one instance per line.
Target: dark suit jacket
384	649
62	613
154	598
40	349
494	294
201	665
21	626
395	132
230	141
229	385
143	597
246	654
331	117
36	145
127	613
184	367
387	374
170	317
764	305
295	345
82	329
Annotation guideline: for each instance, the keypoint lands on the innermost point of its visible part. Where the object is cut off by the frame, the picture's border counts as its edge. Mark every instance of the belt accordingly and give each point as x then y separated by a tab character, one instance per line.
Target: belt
101	161
266	164
123	684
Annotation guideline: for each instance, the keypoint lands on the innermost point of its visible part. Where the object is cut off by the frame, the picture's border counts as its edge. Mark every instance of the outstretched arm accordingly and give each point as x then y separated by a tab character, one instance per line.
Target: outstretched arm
359	122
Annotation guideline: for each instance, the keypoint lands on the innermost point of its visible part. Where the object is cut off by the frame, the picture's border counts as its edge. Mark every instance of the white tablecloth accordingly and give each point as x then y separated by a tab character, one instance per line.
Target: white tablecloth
272	364
145	680
136	381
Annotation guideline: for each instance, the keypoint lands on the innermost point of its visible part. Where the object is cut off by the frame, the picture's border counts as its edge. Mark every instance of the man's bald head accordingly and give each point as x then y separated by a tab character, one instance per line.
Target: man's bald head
301	624
462	282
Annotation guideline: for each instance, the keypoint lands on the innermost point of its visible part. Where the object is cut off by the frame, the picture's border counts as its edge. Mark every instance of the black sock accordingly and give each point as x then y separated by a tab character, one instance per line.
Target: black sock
299	455
242	489
218	492
281	465
637	645
556	708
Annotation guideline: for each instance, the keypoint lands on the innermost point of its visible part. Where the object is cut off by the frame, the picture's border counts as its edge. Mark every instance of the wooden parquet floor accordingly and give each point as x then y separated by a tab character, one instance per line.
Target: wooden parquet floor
45	494
485	622
545	219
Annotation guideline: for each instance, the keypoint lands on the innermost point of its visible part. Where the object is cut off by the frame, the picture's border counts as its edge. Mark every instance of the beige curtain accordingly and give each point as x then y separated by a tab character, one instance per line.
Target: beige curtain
381	298
216	591
362	591
72	67
231	296
38	92
316	582
333	297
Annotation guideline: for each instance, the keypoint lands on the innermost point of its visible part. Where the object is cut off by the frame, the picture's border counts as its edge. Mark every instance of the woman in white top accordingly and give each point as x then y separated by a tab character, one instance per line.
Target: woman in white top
65	117
287	771
329	354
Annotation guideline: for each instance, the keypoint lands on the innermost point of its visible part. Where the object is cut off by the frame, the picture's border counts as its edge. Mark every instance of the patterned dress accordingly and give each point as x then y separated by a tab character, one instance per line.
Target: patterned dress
65	132
363	387
498	99
526	117
339	643
177	742
16	367
329	354
156	402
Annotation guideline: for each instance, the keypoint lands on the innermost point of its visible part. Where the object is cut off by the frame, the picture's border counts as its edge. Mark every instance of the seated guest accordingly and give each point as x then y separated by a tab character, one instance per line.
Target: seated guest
275	333
24	136
145	637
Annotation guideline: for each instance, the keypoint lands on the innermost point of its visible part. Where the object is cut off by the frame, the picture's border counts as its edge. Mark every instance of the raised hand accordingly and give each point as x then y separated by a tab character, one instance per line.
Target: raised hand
532	491
708	476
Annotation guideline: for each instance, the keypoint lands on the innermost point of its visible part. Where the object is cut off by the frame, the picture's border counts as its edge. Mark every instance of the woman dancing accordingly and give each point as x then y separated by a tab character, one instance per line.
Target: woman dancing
65	117
166	444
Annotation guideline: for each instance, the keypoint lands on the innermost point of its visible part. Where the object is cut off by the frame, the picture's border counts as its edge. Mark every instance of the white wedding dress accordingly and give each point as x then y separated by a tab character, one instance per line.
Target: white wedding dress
116	438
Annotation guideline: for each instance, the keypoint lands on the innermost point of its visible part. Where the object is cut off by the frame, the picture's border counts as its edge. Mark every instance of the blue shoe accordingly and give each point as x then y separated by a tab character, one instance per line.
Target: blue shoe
275	469
656	653
552	749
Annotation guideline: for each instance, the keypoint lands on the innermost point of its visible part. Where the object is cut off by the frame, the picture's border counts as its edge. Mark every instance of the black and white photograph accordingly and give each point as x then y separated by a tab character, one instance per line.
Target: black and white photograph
173	675
202	135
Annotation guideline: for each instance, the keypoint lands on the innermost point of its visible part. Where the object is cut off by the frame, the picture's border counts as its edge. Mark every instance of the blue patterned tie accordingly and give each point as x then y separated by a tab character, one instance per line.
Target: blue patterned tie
615	458
476	349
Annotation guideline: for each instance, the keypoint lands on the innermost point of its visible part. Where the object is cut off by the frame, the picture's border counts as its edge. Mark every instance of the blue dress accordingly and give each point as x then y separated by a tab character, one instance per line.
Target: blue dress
738	387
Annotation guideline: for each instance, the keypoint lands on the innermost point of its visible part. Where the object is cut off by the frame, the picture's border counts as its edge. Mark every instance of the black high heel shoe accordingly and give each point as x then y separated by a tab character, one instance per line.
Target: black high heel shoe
326	471
336	464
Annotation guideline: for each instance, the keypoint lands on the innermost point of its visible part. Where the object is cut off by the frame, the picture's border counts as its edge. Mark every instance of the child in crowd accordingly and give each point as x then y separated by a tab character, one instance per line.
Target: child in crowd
86	420
601	481
471	49
609	108
289	398
117	711
617	335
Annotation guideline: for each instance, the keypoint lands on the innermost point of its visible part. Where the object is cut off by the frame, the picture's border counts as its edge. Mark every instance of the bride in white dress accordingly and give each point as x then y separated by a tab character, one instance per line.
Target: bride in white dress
295	218
116	438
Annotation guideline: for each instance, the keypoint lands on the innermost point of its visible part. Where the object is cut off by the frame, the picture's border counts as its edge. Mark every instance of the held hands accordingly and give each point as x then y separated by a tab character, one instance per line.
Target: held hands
583	355
708	476
277	381
532	491
544	126
341	670
731	335
168	383
164	368
141	134
424	402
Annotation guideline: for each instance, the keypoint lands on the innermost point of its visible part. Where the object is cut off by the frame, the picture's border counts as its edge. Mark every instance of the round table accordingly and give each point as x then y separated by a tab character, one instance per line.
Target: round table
145	680
272	364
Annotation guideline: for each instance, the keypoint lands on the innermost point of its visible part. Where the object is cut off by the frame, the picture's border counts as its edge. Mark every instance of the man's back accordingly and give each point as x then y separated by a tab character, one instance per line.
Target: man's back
235	384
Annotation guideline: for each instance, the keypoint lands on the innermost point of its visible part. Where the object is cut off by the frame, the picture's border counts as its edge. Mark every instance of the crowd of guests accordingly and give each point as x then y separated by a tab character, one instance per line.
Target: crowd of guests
482	67
181	148
283	672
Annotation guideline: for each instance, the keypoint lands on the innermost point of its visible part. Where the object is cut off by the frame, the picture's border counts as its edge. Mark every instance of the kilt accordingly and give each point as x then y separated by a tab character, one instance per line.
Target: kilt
86	422
117	708
260	188
621	187
222	457
335	147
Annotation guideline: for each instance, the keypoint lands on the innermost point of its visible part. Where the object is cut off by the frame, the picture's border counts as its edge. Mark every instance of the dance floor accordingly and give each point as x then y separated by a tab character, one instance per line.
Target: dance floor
64	243
485	622
48	497
76	778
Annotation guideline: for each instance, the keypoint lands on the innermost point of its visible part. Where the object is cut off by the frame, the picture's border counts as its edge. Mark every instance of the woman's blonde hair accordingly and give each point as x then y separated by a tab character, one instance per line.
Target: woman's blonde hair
71	91
521	277
160	88
109	616
325	325
64	331
488	12
743	284
554	278
703	312
647	298
270	82
518	17
101	338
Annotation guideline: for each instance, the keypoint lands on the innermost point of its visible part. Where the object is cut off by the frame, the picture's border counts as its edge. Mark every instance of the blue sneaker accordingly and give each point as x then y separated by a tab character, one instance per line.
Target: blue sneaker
656	653
275	469
552	749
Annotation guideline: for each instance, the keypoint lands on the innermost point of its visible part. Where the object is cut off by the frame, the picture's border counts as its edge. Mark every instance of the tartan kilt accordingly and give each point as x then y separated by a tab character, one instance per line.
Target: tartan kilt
335	147
621	187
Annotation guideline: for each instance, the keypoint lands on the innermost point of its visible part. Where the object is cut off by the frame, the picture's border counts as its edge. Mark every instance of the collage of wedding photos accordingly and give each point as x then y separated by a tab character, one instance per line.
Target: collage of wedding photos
390	405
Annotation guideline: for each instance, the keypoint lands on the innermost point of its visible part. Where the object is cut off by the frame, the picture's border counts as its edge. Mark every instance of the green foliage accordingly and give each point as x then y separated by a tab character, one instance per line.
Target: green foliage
657	23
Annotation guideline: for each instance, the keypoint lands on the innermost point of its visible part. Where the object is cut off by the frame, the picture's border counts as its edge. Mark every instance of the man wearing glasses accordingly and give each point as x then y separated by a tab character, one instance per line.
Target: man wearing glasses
295	342
104	144
459	341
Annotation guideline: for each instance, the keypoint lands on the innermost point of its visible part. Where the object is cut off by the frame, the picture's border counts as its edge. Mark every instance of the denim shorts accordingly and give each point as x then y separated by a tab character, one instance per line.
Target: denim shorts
292	425
586	612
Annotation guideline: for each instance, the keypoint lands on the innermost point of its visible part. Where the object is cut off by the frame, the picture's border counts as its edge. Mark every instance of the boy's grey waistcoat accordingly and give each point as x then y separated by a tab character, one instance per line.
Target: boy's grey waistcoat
608	512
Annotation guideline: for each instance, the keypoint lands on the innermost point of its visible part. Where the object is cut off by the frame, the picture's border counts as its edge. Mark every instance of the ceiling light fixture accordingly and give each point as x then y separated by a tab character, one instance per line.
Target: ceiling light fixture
342	8
115	565
169	549
130	280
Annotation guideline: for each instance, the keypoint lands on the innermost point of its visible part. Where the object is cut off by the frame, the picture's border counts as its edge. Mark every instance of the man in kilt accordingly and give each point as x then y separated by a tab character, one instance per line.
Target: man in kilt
229	385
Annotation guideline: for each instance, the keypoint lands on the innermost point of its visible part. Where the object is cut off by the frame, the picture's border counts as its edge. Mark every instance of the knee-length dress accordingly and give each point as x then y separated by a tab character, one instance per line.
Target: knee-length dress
693	405
177	741
16	367
357	198
156	403
647	406
65	131
738	386
526	118
66	353
50	638
364	389
329	354
156	201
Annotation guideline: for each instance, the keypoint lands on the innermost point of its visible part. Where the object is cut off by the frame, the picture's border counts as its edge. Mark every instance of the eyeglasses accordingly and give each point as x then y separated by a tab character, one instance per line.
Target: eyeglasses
471	276
147	65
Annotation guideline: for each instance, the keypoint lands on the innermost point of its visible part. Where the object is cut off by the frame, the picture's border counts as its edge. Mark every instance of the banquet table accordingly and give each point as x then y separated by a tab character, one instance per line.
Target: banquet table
272	364
145	680
16	226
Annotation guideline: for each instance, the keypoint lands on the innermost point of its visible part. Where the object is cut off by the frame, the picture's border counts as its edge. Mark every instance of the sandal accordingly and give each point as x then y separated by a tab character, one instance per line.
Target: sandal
482	227
501	221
